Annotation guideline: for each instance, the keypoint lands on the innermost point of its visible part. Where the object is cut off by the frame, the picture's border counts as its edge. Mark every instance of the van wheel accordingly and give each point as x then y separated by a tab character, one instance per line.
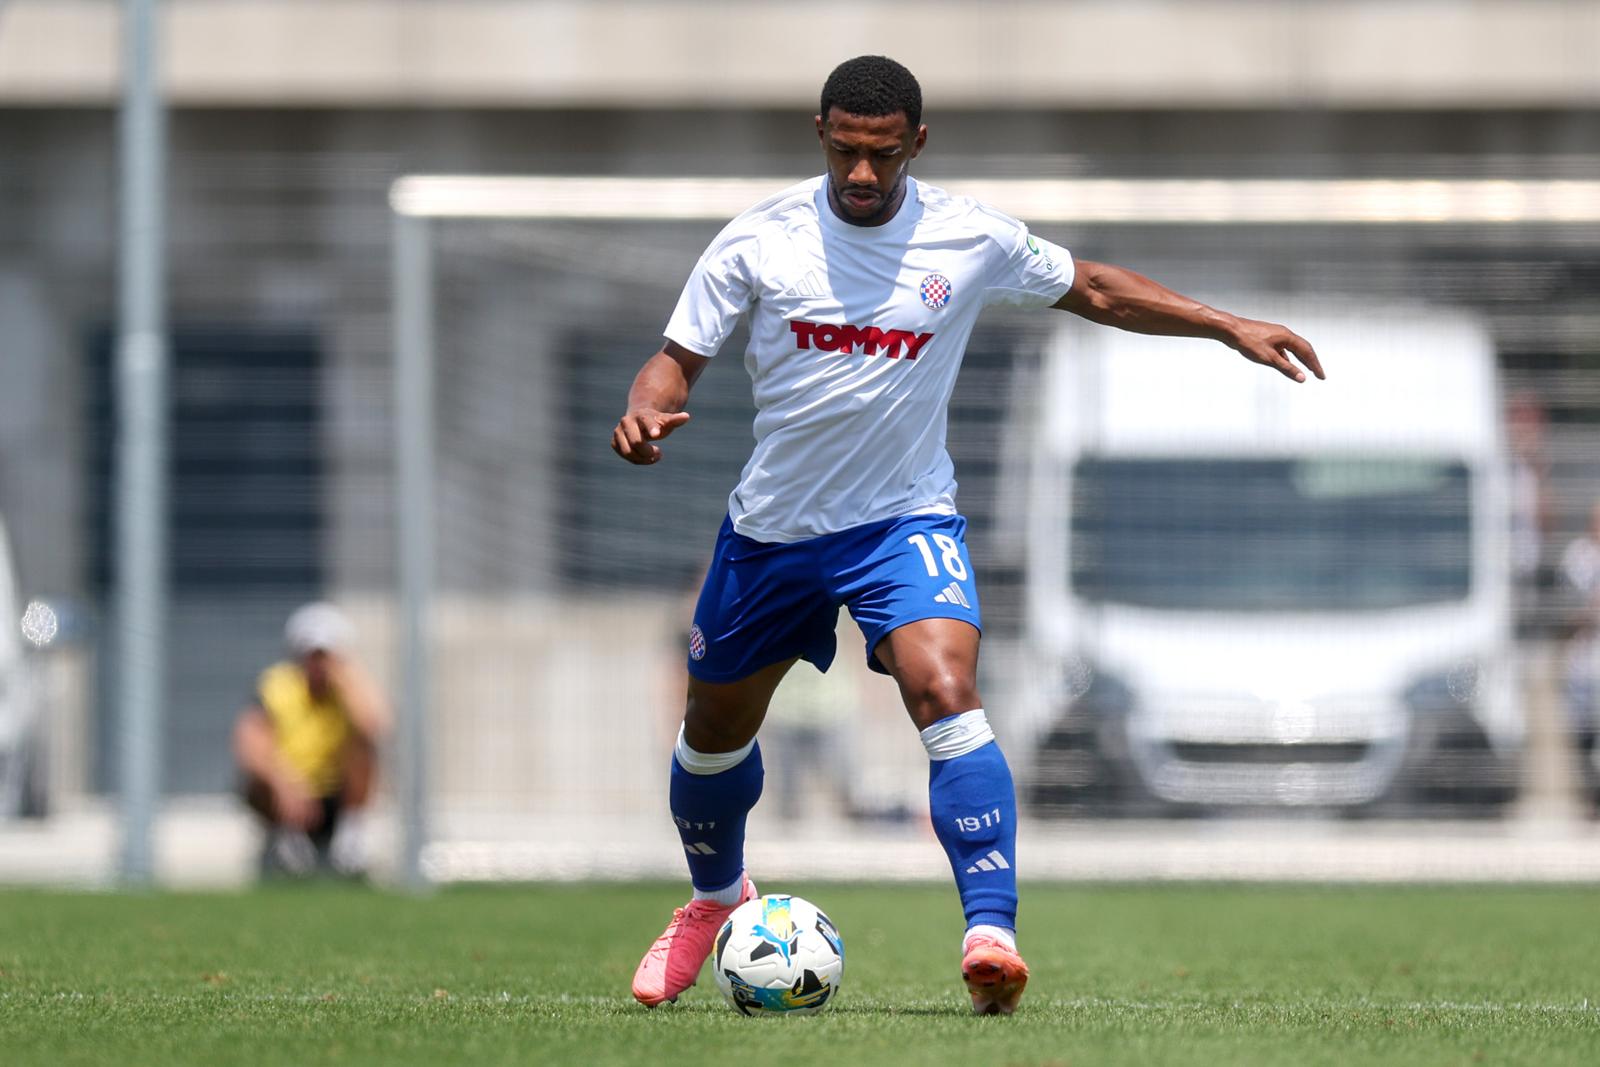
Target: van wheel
1074	775
1452	770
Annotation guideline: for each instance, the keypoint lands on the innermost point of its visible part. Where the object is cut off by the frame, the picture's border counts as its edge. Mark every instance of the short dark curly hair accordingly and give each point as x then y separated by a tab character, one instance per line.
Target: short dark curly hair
873	85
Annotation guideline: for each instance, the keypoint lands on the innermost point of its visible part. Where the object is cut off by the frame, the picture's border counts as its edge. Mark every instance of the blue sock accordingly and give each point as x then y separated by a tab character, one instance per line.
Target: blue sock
974	810
710	810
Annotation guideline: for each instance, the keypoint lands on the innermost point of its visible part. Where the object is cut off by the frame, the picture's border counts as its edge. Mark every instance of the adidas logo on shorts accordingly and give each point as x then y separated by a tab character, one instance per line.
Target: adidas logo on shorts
953	595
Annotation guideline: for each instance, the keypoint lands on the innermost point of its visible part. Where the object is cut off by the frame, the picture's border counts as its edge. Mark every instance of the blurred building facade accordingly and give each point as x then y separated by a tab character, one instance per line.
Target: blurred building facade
291	118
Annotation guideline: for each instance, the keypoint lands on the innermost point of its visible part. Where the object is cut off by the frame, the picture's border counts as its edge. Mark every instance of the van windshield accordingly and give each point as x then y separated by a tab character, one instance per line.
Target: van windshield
1227	534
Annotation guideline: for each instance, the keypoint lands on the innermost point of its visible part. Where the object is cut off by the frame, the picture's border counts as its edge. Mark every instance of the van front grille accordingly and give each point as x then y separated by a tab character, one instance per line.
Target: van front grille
1268	753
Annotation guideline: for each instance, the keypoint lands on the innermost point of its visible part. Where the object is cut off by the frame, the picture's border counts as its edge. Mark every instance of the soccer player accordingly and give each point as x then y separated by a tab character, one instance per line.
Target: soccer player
862	287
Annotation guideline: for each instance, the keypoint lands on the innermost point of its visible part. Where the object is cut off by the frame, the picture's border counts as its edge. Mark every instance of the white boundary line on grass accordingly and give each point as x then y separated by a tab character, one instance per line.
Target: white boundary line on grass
1147	853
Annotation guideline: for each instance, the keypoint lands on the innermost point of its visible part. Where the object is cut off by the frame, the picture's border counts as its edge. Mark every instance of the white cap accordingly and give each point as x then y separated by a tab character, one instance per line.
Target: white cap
317	627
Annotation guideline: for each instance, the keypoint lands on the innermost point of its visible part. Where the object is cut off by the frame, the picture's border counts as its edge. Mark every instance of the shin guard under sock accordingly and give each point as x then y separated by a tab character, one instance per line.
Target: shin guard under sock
973	806
711	796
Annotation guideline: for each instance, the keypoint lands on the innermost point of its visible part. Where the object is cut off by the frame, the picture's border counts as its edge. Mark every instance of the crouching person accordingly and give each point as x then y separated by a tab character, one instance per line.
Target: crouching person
307	747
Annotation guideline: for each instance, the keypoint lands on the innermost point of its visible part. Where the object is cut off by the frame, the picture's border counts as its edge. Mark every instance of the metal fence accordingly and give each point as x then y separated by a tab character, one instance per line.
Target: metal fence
564	577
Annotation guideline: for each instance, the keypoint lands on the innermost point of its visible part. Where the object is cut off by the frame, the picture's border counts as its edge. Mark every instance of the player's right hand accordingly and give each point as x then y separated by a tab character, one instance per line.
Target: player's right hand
637	429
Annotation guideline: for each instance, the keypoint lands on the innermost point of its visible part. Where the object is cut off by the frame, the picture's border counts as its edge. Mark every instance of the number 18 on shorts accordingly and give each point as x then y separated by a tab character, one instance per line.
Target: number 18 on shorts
764	603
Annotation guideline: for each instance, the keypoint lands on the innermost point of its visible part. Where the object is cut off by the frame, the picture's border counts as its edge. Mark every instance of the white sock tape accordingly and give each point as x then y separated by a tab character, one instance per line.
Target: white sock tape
708	762
957	735
1006	937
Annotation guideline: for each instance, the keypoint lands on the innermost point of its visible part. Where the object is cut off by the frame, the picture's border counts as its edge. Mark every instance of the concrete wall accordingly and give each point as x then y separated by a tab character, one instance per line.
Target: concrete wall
1033	53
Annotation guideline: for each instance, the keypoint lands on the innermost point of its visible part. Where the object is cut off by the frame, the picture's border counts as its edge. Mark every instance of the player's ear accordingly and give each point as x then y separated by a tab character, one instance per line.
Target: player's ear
919	140
821	133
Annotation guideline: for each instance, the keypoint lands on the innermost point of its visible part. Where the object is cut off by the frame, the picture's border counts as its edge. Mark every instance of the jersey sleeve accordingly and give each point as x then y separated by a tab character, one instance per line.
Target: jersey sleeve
1031	272
720	289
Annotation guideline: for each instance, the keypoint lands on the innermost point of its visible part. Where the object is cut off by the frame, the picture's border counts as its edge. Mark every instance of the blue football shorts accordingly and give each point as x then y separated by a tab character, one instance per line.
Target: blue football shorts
764	603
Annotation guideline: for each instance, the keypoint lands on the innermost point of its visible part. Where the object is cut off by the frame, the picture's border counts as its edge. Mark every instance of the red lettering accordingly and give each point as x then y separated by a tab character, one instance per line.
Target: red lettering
872	339
844	337
914	344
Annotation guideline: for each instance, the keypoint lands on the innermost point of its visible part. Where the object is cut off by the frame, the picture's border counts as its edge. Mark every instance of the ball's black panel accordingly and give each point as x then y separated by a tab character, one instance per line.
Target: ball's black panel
745	997
810	991
830	934
808	982
722	943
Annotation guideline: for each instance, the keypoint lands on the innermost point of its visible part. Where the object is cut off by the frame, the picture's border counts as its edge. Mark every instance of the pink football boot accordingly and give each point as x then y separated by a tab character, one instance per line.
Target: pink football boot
994	973
674	961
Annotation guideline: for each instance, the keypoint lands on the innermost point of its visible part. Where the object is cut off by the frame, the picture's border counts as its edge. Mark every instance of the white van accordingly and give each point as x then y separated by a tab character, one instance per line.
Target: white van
21	735
1245	592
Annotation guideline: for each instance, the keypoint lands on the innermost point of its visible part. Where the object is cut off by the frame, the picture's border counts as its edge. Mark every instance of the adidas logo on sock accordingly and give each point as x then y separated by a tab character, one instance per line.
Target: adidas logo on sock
700	848
953	595
992	862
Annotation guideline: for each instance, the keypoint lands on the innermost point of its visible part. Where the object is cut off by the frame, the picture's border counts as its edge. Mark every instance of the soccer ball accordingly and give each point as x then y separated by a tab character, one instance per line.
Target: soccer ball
778	955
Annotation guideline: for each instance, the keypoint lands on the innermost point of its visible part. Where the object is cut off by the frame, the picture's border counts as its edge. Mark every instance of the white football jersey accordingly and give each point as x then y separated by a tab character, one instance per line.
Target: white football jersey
856	336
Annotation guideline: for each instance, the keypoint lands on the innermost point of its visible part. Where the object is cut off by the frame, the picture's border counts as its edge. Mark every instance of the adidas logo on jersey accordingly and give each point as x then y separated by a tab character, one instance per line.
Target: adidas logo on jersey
992	862
808	287
828	337
953	595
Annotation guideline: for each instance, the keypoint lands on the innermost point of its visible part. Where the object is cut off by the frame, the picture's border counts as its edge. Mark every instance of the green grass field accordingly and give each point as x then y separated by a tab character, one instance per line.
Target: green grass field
1122	975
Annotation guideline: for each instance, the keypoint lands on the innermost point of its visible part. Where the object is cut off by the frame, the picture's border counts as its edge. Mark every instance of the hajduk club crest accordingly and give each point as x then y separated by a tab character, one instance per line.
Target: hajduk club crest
935	291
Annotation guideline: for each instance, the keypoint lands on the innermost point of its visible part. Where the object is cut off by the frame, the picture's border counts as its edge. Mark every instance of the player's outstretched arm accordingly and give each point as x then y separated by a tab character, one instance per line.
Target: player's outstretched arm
655	403
1115	296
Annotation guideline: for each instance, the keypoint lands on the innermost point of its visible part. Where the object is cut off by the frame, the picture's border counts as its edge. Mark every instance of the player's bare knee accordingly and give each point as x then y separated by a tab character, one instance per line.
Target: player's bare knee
712	728
714	738
938	695
724	716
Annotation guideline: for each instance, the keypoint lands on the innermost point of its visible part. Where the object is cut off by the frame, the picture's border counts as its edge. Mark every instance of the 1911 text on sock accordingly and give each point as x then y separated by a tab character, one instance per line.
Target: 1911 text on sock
971	824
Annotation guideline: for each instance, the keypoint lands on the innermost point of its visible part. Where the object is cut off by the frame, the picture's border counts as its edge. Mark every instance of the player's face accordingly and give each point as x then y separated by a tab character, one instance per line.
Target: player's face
867	157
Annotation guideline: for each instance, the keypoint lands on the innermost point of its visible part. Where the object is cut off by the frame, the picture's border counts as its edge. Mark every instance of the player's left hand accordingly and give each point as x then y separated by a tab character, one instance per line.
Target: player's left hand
1271	345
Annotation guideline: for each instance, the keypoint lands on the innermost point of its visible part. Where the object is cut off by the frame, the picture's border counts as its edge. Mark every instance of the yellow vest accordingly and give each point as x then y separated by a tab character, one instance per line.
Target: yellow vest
311	734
